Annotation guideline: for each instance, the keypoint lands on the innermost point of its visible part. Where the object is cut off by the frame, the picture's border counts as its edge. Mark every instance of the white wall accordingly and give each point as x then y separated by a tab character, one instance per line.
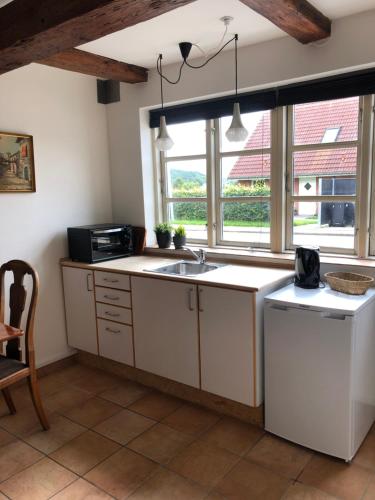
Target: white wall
351	46
60	110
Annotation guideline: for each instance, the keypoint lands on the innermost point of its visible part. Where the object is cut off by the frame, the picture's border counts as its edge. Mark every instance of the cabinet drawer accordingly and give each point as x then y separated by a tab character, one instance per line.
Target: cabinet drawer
113	280
115	341
114	313
115	297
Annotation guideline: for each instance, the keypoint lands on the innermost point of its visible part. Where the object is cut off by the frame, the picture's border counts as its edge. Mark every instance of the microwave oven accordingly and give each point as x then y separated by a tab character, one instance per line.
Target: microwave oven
100	242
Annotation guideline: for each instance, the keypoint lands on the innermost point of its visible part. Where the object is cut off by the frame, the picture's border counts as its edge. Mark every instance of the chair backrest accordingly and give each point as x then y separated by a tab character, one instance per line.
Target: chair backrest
17	302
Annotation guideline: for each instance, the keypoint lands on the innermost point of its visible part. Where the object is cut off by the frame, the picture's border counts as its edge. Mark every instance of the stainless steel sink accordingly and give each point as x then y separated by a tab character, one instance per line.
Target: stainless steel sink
186	268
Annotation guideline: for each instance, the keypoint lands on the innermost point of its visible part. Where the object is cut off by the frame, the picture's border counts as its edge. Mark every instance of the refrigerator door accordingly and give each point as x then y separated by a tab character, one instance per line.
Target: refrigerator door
307	378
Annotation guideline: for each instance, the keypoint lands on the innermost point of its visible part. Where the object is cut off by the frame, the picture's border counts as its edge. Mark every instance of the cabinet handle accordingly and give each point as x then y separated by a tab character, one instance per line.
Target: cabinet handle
110	280
200	307
89	282
111	314
111	297
112	331
190	295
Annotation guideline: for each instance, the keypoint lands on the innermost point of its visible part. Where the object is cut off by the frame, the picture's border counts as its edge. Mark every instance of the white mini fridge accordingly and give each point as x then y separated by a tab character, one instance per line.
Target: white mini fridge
320	368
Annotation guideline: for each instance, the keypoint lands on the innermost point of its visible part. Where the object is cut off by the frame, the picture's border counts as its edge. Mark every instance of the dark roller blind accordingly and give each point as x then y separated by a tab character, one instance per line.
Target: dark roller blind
333	87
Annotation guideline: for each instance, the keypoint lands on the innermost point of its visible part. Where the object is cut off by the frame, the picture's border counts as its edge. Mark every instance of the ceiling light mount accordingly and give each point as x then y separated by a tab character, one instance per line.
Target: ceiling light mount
236	132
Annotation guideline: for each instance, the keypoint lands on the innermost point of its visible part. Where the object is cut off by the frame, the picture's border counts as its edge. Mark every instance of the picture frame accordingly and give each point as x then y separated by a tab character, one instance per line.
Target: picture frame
17	167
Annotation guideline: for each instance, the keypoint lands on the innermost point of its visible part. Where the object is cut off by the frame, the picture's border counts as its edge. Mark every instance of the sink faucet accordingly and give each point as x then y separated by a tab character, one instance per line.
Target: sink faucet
200	256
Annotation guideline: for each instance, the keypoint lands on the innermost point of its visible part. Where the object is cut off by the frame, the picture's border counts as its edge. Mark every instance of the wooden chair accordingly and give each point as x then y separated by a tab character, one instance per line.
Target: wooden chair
12	368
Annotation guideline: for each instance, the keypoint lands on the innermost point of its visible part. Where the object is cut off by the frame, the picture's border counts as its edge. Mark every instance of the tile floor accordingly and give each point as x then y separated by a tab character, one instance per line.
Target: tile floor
112	438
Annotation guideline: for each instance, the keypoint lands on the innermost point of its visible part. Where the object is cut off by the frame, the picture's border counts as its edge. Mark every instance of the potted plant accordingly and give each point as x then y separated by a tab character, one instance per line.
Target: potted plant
179	238
163	233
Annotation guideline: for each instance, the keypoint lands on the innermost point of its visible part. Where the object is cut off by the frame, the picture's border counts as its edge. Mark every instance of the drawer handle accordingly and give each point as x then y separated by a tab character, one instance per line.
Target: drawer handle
113	315
110	280
111	297
112	331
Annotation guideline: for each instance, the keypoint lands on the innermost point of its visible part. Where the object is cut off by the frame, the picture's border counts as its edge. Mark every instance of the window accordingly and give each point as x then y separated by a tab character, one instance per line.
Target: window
301	177
244	183
184	180
322	174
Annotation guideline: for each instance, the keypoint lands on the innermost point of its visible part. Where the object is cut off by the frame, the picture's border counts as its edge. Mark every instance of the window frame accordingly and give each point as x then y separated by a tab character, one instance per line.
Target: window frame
291	198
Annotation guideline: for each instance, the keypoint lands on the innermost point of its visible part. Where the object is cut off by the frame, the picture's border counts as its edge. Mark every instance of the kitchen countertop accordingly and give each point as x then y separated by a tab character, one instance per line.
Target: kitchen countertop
248	278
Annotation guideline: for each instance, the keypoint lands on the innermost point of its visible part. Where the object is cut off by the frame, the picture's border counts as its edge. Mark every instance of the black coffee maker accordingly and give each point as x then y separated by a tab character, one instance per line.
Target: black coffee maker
307	267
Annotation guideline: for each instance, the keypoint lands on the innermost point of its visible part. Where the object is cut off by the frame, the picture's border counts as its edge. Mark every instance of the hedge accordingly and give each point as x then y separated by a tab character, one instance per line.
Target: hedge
257	211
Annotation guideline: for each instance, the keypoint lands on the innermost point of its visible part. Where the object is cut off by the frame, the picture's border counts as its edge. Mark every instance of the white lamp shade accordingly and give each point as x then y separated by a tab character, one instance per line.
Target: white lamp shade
236	132
163	141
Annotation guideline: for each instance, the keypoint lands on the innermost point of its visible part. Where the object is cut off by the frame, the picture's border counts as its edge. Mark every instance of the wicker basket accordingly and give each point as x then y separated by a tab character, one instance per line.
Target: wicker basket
351	283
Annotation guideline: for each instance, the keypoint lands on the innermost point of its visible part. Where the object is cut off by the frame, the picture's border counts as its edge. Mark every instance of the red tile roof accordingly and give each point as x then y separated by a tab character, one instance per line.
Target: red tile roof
311	122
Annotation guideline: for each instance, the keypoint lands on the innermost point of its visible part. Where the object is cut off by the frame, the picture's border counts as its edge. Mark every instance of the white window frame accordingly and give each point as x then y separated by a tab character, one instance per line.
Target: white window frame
291	198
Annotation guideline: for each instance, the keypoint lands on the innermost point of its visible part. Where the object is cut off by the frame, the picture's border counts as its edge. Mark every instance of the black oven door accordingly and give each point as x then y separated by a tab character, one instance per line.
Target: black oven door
111	243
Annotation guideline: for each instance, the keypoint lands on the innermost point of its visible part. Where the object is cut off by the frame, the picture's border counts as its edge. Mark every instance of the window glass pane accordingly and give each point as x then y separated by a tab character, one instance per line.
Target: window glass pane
326	121
245	175
258	127
325	224
192	215
189	138
328	171
186	179
246	222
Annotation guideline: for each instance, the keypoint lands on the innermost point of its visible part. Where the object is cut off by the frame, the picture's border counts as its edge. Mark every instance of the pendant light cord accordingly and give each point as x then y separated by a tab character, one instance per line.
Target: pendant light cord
235	61
161	81
174	82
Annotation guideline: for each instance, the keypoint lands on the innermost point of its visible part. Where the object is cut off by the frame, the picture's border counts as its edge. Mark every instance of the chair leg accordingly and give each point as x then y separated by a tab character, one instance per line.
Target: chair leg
35	396
9	400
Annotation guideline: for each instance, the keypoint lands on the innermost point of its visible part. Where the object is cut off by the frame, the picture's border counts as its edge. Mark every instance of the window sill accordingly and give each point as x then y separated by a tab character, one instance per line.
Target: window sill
261	257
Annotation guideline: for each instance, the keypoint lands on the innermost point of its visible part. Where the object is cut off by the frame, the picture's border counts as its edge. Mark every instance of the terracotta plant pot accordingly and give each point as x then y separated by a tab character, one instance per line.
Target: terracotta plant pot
164	240
179	241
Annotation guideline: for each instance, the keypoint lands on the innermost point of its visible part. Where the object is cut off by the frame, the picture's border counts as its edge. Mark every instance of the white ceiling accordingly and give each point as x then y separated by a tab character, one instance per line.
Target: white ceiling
198	22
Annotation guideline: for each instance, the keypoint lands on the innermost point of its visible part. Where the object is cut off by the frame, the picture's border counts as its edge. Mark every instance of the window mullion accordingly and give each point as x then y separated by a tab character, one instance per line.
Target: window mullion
218	210
278	134
211	218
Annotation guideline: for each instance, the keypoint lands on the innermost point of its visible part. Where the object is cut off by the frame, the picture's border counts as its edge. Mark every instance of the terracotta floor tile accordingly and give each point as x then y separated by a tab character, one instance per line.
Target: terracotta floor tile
61	431
191	420
5	438
21	398
156	405
121	473
370	492
279	455
22	422
203	463
92	411
298	491
95	381
65	399
165	485
125	393
336	477
233	435
124	426
160	443
38	482
85	452
15	457
81	490
366	454
248	481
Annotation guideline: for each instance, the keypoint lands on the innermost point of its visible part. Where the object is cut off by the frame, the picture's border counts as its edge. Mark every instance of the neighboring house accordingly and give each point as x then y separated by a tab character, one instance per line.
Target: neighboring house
326	172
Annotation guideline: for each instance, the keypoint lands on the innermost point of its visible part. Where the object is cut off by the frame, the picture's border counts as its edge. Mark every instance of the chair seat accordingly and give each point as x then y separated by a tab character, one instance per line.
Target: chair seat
9	366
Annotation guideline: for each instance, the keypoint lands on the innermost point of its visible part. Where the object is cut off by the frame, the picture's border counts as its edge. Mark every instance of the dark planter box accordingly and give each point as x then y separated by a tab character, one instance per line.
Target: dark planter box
164	240
179	242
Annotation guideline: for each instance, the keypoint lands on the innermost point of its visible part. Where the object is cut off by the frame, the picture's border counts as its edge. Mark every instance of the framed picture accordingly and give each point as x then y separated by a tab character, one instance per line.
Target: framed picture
17	173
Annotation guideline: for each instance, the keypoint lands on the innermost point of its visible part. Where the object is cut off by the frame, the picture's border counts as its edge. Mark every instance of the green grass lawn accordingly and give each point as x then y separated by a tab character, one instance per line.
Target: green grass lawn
244	223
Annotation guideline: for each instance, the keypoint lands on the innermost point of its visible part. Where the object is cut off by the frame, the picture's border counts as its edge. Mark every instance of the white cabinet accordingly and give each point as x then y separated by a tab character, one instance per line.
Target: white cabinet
226	319
165	329
116	341
80	309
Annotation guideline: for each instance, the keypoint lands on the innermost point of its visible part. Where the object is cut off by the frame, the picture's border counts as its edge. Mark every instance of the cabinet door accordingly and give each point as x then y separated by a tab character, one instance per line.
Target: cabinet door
226	338
80	309
165	329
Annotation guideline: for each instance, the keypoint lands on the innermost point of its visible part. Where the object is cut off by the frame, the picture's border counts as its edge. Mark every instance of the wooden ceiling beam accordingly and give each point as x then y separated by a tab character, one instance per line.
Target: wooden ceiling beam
32	31
84	62
298	18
